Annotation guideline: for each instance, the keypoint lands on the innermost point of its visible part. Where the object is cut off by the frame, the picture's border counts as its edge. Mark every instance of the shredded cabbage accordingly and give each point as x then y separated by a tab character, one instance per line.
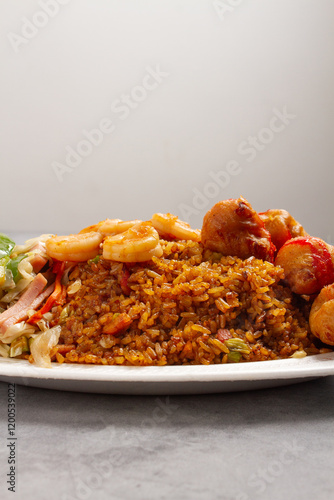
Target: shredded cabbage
65	278
43	324
12	294
4	350
26	270
29	244
9	281
17	330
42	345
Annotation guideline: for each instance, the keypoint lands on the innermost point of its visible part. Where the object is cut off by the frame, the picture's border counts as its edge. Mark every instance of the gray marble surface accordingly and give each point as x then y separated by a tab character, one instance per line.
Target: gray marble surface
267	444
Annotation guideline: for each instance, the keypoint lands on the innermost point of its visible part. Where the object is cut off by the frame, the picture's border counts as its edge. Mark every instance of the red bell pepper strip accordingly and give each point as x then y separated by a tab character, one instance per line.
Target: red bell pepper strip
57	296
124	282
224	334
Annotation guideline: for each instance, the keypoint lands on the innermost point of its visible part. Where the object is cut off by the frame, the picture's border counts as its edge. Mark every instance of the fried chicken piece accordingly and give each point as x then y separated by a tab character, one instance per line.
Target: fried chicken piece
233	227
308	264
281	226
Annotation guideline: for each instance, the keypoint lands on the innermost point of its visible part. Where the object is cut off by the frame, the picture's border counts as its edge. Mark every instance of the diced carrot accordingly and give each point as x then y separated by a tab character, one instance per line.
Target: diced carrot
119	323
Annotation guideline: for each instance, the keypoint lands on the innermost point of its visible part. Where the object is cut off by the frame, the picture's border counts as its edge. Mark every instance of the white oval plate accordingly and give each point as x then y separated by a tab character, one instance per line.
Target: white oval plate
156	380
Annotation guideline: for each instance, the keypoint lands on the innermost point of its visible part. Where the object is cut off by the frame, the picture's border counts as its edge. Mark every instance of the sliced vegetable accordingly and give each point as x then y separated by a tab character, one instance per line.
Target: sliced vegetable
234	356
13	266
6	245
64	314
18	330
124	282
56	297
224	334
4	350
42	346
74	287
95	260
3	265
237	345
19	346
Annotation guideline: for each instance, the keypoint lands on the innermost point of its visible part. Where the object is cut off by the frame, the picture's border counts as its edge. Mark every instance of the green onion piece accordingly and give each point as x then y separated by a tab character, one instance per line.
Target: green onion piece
95	260
6	245
19	346
237	345
234	356
13	265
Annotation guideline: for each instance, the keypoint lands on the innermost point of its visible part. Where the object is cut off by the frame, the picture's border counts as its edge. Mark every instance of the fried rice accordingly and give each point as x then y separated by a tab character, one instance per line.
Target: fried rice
189	306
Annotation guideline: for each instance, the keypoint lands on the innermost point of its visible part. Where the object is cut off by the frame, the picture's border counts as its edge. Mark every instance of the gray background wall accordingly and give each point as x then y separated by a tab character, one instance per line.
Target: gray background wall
185	86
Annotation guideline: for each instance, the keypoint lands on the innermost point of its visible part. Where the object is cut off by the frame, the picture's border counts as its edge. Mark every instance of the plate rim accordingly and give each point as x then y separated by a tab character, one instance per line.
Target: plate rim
319	365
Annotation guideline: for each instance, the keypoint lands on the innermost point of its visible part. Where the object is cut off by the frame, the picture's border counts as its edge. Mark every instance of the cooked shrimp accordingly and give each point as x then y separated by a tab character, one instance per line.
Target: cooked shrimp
322	315
111	226
308	264
137	244
170	226
89	229
281	226
232	227
116	226
75	247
